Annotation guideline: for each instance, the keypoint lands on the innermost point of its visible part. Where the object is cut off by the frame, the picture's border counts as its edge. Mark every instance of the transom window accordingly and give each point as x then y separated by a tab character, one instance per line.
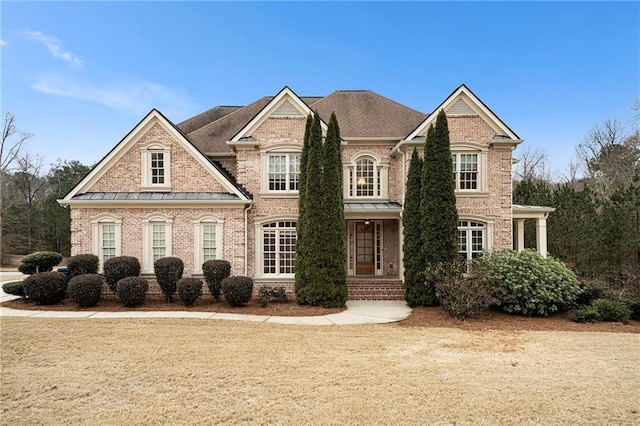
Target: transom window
284	172
279	248
471	239
465	171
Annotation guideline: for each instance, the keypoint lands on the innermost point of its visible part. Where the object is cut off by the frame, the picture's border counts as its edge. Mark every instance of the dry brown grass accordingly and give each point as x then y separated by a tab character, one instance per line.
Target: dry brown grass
166	371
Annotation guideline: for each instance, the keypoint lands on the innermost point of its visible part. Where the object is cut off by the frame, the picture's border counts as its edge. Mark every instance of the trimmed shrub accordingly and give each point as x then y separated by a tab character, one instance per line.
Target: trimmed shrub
189	290
214	272
611	310
272	293
584	314
527	283
118	268
14	288
81	264
237	290
40	261
85	289
460	294
168	271
45	288
132	291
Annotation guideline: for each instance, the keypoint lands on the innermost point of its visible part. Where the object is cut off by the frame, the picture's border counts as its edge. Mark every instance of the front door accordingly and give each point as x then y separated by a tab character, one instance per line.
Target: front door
365	248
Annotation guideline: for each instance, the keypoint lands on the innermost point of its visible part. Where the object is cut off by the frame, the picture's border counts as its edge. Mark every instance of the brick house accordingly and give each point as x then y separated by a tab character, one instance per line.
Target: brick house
223	185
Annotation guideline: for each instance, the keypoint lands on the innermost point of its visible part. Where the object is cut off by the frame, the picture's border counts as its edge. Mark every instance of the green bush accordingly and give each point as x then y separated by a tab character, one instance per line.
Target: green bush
214	272
85	289
461	294
132	291
237	290
584	314
527	283
589	291
611	310
189	290
14	288
634	308
81	264
168	271
272	293
40	261
118	268
45	288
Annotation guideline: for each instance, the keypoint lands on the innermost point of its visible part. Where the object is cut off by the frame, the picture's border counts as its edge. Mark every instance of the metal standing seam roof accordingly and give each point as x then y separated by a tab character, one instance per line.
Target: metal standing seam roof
157	196
381	207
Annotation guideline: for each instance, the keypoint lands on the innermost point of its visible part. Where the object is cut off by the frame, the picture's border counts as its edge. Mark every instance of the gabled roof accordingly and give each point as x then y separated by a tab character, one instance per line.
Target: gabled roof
200	120
363	113
153	117
470	103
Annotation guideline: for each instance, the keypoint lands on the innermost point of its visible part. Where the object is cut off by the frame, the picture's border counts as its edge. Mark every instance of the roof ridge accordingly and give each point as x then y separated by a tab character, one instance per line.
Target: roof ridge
231	113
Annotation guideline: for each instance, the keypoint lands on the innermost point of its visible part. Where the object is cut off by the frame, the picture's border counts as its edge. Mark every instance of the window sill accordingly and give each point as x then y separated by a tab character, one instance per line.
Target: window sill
278	195
366	200
159	188
275	278
472	194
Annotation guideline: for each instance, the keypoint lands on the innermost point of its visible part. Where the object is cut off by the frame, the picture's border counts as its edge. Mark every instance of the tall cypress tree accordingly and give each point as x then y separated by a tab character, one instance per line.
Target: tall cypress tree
438	203
335	252
413	254
300	279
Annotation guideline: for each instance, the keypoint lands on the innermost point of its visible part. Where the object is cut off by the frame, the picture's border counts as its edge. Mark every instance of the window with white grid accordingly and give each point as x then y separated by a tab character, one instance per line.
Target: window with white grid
107	241
283	172
465	171
471	239
159	247
279	248
157	168
208	242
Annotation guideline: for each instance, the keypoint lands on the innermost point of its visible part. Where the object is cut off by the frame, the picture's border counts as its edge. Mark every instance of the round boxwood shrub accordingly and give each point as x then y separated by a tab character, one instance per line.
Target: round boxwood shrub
527	283
81	264
14	288
132	291
118	268
85	289
611	310
40	261
168	271
189	290
214	272
237	290
45	288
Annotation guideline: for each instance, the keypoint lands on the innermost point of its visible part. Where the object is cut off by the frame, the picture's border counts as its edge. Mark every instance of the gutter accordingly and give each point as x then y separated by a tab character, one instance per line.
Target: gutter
246	238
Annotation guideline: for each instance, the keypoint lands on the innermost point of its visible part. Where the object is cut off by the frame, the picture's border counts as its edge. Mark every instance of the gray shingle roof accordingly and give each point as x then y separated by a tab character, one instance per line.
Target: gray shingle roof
200	120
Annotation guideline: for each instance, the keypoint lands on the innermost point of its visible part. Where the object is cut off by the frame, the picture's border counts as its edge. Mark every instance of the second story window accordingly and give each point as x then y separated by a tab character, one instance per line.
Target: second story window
465	171
366	177
284	172
157	168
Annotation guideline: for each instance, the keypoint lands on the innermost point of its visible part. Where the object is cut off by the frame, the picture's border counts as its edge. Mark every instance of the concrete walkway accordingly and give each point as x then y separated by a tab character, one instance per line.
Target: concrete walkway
357	312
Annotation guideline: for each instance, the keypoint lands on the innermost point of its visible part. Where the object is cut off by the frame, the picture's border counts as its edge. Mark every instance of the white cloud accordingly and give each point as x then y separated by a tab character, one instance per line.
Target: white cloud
55	47
135	96
3	42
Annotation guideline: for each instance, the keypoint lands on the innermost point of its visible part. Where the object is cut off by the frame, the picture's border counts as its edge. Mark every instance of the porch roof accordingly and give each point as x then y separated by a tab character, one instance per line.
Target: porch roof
530	212
163	196
373	210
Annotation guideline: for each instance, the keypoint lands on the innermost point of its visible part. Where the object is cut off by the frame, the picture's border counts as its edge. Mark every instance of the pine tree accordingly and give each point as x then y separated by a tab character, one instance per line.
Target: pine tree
413	255
438	204
301	272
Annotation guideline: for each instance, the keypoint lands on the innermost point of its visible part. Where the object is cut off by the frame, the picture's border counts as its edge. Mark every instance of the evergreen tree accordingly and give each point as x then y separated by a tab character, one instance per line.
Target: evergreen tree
300	279
335	251
413	258
438	204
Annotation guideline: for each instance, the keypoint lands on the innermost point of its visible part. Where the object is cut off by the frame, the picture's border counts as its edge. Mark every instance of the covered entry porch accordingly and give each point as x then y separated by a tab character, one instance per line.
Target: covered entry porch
539	214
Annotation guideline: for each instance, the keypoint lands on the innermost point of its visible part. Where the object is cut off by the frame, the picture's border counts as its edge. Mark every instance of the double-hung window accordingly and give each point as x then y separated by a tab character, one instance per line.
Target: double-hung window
283	172
366	177
207	237
106	236
465	171
156	239
156	166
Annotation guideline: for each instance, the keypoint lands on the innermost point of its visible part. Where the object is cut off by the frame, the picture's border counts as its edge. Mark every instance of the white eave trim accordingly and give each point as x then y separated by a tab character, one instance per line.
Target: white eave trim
154	203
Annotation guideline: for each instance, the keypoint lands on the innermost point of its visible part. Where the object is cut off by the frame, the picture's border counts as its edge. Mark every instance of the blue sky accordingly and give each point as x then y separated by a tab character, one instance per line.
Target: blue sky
80	75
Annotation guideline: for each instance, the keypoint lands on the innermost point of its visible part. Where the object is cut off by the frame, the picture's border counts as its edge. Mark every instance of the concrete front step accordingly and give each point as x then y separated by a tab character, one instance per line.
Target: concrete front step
375	289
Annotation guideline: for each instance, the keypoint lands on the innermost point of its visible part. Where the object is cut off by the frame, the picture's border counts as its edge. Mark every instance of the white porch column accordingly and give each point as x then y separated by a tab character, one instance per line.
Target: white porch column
541	235
519	235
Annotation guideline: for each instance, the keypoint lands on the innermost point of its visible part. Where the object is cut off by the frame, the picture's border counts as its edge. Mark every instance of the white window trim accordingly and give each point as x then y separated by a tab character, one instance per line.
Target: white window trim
482	152
146	150
147	238
96	234
259	246
198	256
488	228
381	170
287	150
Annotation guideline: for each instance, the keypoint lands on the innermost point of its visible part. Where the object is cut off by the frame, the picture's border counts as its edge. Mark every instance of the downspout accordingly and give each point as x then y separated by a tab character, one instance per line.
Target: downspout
246	238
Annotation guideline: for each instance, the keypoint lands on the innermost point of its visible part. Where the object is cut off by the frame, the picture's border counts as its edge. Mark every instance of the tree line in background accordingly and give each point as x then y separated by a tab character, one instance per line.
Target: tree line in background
30	217
595	228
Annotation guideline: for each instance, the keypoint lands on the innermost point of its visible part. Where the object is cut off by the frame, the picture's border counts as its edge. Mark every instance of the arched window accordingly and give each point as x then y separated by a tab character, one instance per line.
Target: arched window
156	166
366	178
207	237
156	239
472	239
277	249
106	230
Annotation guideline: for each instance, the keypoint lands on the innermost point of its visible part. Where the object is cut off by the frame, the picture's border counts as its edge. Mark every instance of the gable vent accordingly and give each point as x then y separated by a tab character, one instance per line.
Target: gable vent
460	107
287	110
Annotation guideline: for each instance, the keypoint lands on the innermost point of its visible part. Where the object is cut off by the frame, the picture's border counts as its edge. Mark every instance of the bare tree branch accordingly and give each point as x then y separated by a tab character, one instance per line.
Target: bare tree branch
12	141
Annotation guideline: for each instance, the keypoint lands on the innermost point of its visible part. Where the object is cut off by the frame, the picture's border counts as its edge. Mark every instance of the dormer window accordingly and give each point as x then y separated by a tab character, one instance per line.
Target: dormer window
156	166
366	177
